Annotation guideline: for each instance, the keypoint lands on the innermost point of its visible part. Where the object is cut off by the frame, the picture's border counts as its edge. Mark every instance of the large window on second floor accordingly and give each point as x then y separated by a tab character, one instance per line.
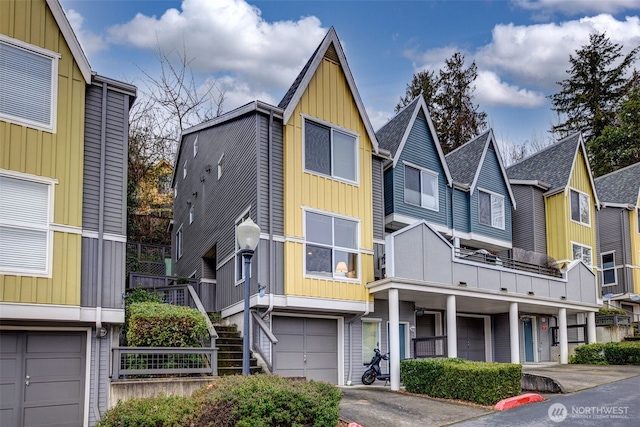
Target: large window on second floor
582	252
421	187
331	248
28	88
330	151
25	217
491	209
580	207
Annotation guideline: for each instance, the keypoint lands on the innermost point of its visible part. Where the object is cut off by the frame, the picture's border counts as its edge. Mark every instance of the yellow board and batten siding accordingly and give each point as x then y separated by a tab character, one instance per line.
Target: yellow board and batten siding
561	230
327	98
56	155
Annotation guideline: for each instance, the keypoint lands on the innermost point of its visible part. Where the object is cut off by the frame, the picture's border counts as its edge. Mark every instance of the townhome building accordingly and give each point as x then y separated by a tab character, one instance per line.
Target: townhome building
450	287
63	174
618	225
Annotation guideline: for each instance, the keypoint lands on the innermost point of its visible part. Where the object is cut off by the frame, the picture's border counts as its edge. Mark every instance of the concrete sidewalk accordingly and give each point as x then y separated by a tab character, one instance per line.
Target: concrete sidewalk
378	406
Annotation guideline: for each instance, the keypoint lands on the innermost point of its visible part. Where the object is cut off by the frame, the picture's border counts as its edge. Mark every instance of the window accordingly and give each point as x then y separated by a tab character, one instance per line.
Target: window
179	243
331	246
582	252
580	207
28	87
239	261
192	214
184	170
195	146
491	209
421	187
638	218
220	166
164	184
370	339
330	152
25	216
608	268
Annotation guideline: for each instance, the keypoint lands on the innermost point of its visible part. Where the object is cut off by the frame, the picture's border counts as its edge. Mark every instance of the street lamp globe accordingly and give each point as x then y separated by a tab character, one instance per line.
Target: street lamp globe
248	235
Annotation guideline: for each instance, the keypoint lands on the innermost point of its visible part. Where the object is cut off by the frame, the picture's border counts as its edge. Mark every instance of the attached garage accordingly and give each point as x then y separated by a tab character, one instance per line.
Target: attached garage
42	378
307	347
471	338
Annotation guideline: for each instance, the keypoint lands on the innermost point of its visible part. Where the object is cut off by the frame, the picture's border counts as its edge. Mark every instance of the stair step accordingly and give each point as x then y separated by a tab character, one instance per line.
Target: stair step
238	370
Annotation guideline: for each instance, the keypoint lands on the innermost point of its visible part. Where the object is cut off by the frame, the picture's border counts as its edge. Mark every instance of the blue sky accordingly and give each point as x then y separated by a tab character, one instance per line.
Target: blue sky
253	49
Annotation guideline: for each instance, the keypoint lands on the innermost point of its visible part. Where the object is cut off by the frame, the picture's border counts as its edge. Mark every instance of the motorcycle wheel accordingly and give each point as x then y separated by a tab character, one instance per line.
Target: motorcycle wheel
368	377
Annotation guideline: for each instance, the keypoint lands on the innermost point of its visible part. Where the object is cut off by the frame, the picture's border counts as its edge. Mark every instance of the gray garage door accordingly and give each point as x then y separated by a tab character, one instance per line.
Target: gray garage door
307	347
471	338
42	378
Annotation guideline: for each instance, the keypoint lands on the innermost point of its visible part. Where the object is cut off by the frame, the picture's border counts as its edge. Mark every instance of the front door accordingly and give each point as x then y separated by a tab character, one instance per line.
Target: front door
528	339
402	330
470	331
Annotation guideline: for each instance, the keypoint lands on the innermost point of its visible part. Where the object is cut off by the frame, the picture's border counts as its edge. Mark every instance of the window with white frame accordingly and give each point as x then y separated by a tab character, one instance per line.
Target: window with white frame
25	218
184	170
239	261
580	207
331	246
179	243
220	166
608	268
582	252
192	214
370	339
195	146
28	87
421	187
491	209
330	151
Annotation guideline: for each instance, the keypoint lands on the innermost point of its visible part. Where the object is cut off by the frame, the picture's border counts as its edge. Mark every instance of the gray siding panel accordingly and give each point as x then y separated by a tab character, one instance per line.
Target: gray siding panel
501	340
378	199
388	191
613	224
275	194
529	222
113	280
102	382
92	158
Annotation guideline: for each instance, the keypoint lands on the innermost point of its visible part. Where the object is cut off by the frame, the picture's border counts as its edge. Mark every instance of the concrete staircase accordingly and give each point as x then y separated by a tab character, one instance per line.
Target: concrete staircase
229	345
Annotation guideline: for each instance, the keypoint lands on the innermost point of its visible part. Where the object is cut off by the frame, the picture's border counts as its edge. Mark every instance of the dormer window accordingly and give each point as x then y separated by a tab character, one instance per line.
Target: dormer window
421	187
330	151
28	87
580	207
184	170
195	146
491	209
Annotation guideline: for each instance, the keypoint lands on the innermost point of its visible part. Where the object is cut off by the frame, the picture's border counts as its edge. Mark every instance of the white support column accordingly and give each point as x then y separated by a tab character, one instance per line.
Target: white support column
394	339
591	327
562	336
452	332
514	333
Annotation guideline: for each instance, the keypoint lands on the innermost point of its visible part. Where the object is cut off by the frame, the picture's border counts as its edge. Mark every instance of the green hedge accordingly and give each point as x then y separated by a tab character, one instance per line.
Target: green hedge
612	353
479	382
152	324
253	401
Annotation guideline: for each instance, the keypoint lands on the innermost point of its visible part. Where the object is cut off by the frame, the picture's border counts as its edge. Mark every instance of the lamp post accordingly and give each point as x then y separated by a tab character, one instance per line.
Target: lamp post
248	235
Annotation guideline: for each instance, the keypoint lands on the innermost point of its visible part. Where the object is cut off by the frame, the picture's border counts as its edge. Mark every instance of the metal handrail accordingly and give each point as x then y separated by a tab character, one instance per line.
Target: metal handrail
436	347
485	257
255	342
554	334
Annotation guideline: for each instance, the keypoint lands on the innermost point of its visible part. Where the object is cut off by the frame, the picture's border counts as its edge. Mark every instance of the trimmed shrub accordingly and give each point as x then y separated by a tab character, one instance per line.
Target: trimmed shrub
612	353
481	382
610	311
153	324
160	411
267	400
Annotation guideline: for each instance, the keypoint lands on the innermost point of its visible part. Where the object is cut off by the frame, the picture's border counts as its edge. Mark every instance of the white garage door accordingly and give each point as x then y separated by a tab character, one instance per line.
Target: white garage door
307	347
42	378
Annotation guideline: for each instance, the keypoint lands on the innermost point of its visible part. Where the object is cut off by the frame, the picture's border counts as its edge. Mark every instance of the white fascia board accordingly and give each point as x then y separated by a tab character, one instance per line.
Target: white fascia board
63	313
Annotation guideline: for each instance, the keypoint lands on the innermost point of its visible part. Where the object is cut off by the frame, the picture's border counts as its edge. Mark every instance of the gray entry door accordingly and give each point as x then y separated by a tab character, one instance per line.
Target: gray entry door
307	347
471	338
42	378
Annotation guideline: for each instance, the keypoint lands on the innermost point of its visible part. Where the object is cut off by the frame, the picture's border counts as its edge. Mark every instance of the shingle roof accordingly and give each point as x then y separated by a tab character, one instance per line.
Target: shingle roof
621	186
292	89
551	165
390	135
464	161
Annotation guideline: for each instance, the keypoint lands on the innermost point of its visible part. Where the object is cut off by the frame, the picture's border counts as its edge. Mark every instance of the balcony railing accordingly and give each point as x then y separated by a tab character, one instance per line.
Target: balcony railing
430	347
147	258
485	257
613	320
576	334
130	361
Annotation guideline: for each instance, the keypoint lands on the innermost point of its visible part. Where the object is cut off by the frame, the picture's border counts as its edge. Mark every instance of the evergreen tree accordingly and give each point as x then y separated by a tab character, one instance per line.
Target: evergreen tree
592	93
449	97
619	146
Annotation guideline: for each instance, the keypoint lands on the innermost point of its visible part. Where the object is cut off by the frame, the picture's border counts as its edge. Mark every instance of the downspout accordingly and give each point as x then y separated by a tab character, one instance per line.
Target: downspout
271	243
100	268
359	316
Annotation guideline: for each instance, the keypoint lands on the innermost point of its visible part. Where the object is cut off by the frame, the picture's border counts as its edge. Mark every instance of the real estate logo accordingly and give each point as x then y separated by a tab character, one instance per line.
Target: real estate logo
557	412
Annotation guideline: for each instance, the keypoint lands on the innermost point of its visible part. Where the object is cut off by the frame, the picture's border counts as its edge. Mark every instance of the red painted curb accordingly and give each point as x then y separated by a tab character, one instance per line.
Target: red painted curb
523	399
354	425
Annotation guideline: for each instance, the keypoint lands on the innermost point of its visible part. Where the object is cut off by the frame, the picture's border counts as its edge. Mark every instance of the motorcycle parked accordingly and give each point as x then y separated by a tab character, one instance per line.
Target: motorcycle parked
373	370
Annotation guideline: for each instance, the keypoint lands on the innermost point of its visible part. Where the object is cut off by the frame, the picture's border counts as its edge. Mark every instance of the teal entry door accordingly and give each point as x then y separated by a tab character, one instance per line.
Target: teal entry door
403	340
528	340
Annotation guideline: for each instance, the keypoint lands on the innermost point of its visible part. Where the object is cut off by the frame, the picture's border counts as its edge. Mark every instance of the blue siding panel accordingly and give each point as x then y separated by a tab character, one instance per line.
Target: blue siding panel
388	191
420	150
460	210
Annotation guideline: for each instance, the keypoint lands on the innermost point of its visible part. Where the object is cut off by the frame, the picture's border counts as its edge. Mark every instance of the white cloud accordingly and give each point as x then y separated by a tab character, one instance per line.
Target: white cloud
538	55
432	59
575	7
91	43
230	37
238	92
491	91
